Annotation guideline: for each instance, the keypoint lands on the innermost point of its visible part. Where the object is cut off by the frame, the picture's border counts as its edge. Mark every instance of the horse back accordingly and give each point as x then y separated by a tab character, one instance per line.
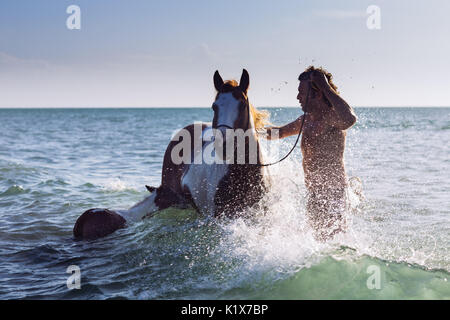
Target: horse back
172	172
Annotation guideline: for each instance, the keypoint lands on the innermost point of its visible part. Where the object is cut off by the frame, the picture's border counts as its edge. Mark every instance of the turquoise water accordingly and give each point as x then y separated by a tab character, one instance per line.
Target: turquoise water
56	163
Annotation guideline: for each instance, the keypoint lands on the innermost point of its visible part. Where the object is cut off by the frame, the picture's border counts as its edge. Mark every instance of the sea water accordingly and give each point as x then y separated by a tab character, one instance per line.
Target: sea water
57	163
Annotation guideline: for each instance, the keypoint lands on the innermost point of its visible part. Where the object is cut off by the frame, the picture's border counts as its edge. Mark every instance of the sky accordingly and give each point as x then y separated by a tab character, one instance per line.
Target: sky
145	53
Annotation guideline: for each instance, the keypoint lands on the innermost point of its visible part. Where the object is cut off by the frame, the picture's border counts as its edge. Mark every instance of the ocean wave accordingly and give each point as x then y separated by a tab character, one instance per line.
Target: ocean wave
13	190
117	185
361	278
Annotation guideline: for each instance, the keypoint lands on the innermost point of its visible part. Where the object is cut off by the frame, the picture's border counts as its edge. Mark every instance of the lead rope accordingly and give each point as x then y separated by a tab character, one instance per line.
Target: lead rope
298	136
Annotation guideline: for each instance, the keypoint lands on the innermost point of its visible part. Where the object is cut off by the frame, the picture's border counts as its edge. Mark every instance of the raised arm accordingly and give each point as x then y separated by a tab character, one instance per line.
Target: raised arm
286	130
343	115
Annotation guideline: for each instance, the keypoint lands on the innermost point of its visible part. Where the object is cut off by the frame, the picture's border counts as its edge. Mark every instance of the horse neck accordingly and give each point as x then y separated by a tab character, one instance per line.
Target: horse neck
253	136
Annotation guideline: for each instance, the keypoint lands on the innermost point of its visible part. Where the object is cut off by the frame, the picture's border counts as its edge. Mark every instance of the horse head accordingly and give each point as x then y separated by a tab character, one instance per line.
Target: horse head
233	115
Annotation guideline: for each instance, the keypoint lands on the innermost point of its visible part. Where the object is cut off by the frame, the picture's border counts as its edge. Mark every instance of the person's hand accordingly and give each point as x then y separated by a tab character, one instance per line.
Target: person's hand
267	133
319	80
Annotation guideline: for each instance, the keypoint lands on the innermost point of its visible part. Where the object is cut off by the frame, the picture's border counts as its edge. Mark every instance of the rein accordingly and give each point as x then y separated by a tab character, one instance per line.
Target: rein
287	155
296	141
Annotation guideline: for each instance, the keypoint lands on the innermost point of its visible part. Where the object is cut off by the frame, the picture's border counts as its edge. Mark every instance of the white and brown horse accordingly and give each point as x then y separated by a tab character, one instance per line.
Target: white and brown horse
221	188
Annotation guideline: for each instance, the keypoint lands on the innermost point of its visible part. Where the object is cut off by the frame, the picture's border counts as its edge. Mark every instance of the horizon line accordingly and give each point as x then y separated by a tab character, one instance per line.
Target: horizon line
206	107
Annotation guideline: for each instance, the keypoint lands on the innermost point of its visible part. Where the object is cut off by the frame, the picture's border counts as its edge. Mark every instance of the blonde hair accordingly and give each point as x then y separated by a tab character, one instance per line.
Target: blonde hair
260	117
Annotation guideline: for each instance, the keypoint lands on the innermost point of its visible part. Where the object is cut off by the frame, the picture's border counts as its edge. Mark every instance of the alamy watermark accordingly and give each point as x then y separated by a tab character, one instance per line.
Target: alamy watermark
373	21
374	280
73	22
218	146
74	281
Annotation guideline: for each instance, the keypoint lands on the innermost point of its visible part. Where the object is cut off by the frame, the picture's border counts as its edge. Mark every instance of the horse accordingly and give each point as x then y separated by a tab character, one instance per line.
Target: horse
225	187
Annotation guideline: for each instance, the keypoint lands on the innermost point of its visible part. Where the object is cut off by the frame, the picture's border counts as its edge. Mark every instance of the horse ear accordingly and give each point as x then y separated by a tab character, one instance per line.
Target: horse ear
245	81
218	82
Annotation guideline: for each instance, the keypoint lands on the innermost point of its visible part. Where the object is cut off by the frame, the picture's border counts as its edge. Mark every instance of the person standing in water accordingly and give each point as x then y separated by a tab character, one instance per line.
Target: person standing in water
325	121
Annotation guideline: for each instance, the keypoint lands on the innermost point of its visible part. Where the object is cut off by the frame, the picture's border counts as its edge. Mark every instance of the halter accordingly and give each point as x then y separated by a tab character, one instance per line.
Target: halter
224	125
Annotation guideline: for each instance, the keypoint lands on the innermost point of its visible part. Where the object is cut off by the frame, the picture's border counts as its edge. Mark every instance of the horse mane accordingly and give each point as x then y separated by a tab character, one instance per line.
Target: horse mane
260	117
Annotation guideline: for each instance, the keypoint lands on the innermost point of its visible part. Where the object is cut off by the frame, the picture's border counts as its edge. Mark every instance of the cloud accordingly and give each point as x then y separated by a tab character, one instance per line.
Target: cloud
202	52
194	56
13	63
341	14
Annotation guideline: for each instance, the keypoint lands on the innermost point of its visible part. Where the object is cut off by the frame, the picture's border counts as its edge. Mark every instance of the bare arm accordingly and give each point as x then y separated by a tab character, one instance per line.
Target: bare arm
344	117
286	130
